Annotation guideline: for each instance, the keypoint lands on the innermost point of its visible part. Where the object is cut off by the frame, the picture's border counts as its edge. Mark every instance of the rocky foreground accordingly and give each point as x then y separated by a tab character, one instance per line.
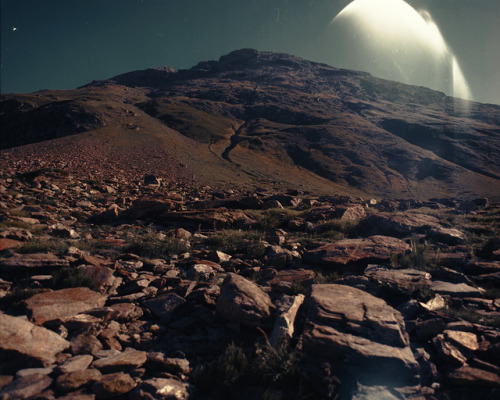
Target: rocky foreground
138	290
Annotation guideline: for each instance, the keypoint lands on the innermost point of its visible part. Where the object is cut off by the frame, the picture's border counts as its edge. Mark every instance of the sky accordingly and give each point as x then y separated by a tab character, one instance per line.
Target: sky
63	44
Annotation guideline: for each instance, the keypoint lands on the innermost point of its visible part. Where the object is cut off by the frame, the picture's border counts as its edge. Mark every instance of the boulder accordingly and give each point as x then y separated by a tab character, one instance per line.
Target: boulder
358	334
243	301
31	345
58	304
450	236
399	224
347	251
401	280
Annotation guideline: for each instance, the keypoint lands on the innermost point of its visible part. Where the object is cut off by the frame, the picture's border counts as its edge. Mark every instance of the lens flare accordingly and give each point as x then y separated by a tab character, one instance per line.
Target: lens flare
392	40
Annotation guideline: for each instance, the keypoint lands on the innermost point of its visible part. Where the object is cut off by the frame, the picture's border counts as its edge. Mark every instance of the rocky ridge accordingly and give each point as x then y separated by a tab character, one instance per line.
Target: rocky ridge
260	119
138	289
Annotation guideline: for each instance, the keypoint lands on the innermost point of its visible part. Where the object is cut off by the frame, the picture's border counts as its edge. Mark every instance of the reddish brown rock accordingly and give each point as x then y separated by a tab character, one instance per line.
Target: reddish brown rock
32	263
85	343
76	363
76	379
104	277
164	305
9	243
58	304
468	376
124	361
358	333
399	223
243	301
113	385
25	344
299	275
25	387
346	251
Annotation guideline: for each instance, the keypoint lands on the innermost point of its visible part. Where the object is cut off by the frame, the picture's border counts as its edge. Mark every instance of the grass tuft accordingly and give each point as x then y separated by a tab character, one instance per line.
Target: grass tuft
72	277
151	246
44	246
416	258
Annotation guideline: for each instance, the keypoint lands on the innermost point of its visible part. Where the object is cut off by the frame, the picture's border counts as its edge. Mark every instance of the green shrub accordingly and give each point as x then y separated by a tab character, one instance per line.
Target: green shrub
224	373
15	297
268	372
321	278
273	218
12	223
473	316
233	242
279	364
94	245
151	246
72	277
416	258
44	246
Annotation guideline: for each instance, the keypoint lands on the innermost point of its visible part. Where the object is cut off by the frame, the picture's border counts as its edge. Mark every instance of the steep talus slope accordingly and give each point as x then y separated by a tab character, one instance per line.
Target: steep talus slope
274	119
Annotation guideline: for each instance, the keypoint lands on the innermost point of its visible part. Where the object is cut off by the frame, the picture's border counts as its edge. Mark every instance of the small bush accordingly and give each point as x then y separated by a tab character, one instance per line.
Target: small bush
416	258
223	374
321	278
273	218
20	213
473	316
233	242
278	365
153	247
94	246
44	246
338	227
72	277
15	297
271	373
12	223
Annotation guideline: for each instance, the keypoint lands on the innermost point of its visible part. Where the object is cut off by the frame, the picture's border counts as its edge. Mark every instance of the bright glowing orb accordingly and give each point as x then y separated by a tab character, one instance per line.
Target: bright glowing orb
390	39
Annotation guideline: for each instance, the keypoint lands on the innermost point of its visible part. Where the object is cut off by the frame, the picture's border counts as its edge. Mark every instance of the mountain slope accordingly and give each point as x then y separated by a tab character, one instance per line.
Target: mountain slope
257	119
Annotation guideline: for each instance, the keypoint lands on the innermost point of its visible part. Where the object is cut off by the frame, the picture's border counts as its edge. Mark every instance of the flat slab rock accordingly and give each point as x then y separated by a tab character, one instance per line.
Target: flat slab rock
359	333
455	289
59	304
403	279
35	263
32	345
400	223
25	387
126	360
346	251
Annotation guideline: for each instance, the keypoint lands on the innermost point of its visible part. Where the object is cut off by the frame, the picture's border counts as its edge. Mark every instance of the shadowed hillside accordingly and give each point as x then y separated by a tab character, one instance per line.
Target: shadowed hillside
259	119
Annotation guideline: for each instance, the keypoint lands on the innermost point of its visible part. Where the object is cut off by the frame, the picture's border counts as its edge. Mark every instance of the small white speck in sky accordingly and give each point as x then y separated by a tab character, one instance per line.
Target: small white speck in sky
14	28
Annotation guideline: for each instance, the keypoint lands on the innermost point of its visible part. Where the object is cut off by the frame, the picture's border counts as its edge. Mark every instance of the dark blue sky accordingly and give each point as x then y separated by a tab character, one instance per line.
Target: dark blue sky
62	44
